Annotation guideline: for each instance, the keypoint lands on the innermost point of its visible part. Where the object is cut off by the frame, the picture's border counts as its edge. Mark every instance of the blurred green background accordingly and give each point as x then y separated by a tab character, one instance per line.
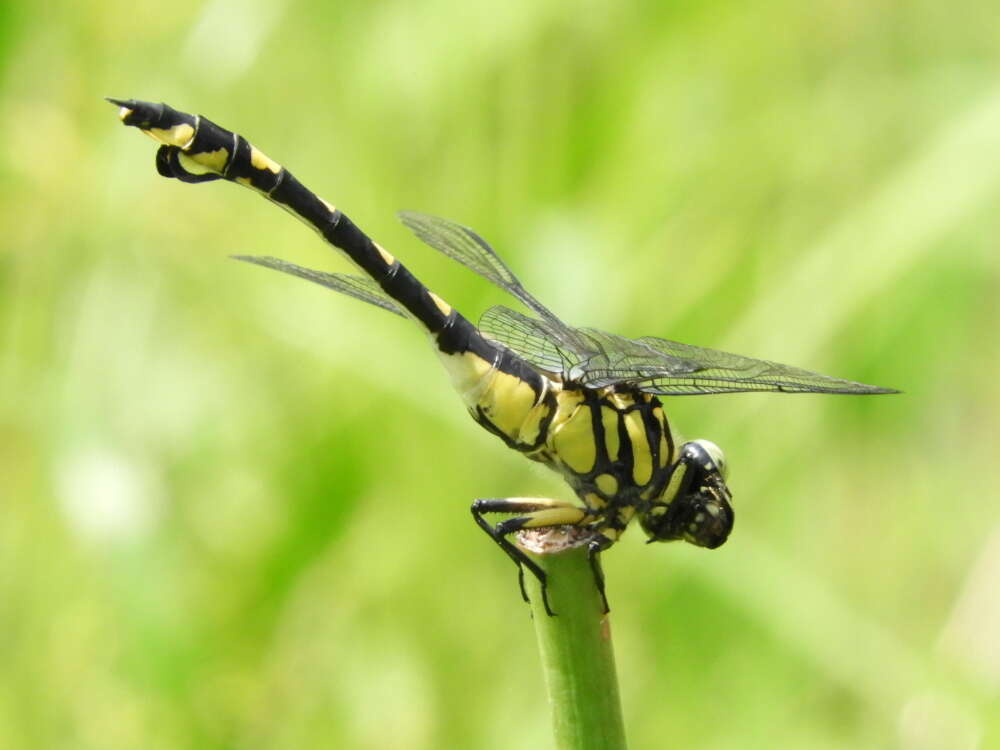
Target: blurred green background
235	505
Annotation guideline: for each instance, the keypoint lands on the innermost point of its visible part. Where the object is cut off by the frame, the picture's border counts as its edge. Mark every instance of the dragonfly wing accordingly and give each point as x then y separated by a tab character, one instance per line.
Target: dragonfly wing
472	251
598	359
359	287
670	368
529	338
464	245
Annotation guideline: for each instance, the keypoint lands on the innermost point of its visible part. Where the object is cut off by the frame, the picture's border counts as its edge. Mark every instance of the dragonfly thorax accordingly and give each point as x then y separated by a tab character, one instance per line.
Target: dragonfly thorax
614	447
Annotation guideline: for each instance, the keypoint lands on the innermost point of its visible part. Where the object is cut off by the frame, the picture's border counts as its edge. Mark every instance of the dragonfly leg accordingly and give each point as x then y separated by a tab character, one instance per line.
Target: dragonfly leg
532	513
594	550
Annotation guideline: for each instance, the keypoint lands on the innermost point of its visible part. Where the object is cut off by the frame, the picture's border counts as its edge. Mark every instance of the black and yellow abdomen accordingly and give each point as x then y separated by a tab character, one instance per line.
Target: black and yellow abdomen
502	392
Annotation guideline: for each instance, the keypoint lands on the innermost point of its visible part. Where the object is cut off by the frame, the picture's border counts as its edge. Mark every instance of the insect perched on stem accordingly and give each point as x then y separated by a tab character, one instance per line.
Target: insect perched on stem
581	401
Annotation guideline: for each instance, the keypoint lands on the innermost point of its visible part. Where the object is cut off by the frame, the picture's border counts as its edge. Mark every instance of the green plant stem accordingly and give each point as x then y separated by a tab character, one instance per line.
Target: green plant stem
577	655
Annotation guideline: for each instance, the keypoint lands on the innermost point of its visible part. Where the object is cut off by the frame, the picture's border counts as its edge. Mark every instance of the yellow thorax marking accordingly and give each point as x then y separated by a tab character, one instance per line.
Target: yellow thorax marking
573	434
642	458
607	484
665	457
609	418
670	491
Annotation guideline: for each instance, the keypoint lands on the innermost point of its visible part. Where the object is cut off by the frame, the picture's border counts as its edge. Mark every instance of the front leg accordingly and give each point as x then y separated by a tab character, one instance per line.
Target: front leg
532	513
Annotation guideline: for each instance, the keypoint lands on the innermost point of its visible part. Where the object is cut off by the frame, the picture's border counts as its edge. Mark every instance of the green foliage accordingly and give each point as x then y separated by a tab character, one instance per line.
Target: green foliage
235	506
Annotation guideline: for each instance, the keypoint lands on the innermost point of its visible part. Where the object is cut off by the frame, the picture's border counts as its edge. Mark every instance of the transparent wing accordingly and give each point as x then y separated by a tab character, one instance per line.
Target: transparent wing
527	337
358	287
654	365
670	368
472	251
598	359
468	248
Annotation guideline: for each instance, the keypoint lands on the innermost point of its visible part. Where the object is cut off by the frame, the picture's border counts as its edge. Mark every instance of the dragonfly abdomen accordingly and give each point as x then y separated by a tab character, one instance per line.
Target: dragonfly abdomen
195	149
504	393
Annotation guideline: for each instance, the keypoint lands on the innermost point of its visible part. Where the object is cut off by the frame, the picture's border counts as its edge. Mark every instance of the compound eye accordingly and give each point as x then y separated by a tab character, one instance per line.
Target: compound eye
709	516
715	457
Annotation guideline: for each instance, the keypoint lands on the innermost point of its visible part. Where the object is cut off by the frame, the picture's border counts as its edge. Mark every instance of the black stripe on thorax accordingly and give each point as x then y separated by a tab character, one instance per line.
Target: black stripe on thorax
653	430
602	461
625	453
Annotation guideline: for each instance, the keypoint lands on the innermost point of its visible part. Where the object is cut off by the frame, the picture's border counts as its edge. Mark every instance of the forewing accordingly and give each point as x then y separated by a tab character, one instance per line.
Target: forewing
670	368
597	359
358	287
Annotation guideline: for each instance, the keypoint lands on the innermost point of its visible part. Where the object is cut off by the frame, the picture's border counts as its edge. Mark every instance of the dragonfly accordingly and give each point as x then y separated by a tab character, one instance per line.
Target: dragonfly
586	403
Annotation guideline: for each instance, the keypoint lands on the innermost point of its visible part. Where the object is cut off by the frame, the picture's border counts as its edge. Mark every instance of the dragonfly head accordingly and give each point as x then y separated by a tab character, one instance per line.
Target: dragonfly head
697	505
